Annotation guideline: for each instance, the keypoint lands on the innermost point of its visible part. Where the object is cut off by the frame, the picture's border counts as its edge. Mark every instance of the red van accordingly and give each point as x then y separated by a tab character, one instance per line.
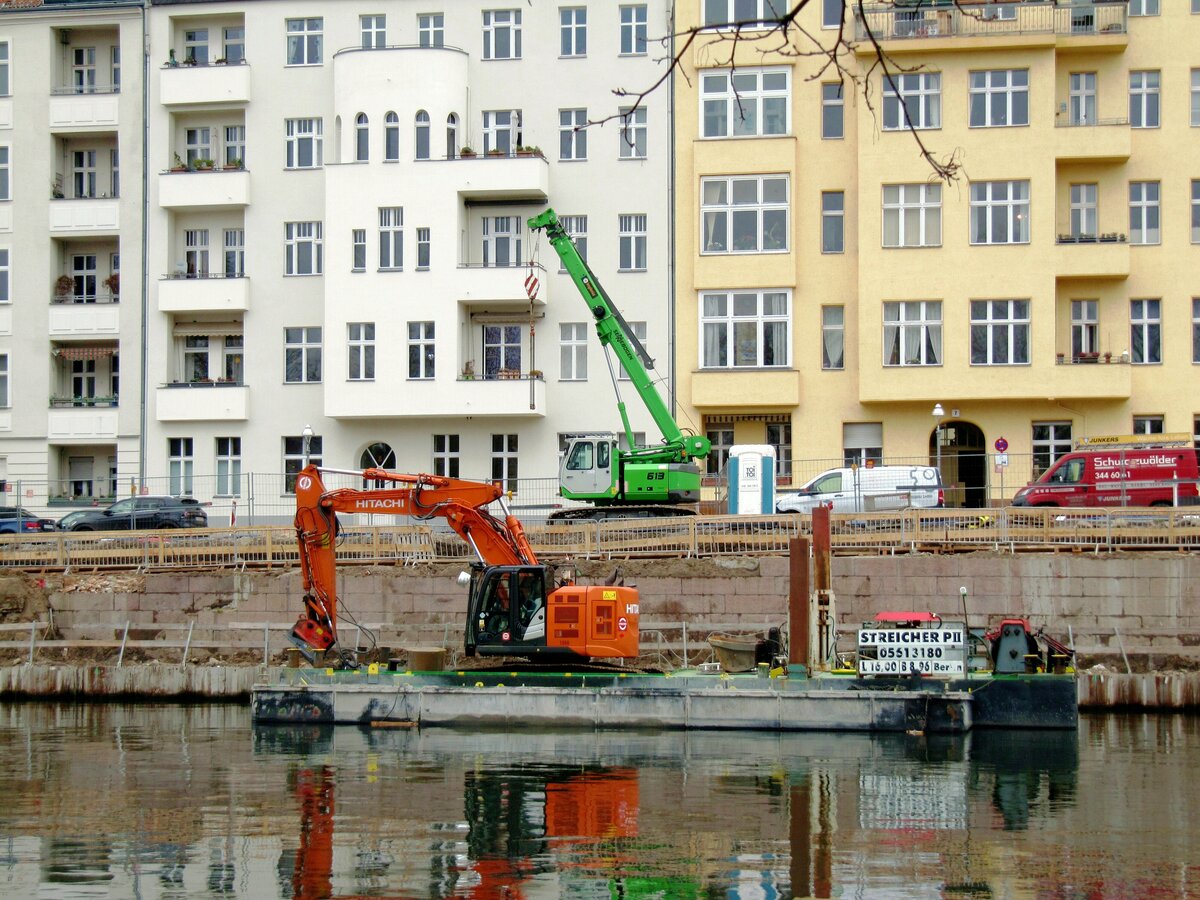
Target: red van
1129	476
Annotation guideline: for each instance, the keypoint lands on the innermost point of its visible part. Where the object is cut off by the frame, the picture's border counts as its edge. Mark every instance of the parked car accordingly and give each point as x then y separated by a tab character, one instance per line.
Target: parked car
867	489
18	520
135	513
1139	476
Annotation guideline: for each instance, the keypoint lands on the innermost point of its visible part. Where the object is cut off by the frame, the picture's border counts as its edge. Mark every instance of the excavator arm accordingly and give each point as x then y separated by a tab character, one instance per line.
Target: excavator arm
497	542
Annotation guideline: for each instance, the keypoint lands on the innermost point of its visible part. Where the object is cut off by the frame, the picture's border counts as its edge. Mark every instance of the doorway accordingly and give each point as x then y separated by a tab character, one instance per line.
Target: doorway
964	463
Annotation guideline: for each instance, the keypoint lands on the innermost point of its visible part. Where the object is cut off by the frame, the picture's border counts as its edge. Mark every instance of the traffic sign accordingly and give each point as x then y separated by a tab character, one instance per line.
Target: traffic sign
1001	445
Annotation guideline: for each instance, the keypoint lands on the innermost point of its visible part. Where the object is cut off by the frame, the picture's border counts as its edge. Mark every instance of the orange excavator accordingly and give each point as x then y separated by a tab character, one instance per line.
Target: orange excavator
514	607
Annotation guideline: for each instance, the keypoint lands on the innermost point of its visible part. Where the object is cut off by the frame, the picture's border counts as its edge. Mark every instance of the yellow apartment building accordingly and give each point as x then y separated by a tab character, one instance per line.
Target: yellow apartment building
833	294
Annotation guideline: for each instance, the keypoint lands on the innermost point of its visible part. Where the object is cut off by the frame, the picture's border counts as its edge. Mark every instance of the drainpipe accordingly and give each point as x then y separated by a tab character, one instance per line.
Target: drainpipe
143	374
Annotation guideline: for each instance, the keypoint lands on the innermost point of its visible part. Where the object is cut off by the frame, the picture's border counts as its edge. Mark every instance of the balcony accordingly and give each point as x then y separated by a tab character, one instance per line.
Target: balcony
1105	140
498	286
81	425
85	217
1103	257
213	293
1040	381
746	389
70	319
514	177
212	189
202	402
214	85
520	396
71	111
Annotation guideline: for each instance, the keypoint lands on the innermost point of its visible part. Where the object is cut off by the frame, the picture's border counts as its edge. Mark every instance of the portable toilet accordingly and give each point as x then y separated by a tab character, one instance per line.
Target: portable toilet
751	479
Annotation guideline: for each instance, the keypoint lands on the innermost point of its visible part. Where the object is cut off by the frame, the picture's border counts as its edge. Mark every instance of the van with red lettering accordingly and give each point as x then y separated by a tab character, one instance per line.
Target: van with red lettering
1115	473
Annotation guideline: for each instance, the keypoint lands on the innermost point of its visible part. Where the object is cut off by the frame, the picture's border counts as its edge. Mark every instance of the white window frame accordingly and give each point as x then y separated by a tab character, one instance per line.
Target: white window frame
779	436
502	239
228	455
501	26
576	228
749	102
833	221
913	214
572	136
195	252
297	237
1143	8
722	220
743	329
195	46
83	70
1081	98
305	138
302	345
1145	332
833	338
5	275
1000	332
918	92
1049	440
833	110
83	174
362	138
1195	211
1195	110
294	457
999	203
1196	331
631	242
233	44
391	137
1145	100
358	250
765	14
572	354
233	245
422	351
5	392
1085	328
422	135
1148	424
197	145
235	145
180	464
1085	213
1001	95
633	29
5	71
391	238
360	351
374	31
424	248
914	327
1145	212
501	130
505	461
633	133
5	172
831	13
572	32
431	30
305	39
639	330
446	455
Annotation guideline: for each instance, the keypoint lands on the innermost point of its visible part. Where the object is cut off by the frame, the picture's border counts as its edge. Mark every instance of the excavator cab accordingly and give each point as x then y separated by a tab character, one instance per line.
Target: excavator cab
506	611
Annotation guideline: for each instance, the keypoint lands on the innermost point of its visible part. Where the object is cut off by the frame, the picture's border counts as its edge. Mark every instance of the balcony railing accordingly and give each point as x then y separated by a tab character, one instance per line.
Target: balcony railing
1092	358
86	298
973	18
61	402
1110	237
205	383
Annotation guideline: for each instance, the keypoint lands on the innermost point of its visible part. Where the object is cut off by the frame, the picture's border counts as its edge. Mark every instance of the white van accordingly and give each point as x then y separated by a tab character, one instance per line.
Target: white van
867	489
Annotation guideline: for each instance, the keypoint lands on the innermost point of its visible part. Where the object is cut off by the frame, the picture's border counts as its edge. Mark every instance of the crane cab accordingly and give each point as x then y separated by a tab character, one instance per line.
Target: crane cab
510	613
589	468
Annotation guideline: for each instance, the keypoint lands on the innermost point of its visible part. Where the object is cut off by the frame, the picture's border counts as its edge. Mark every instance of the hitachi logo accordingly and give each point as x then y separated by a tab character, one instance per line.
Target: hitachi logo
380	504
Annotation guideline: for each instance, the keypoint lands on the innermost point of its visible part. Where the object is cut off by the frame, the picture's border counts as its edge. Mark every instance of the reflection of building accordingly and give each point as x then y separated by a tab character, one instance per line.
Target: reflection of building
1035	297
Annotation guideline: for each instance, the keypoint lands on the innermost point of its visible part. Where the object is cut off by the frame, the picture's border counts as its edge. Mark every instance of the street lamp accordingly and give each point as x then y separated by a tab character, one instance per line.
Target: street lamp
938	415
307	436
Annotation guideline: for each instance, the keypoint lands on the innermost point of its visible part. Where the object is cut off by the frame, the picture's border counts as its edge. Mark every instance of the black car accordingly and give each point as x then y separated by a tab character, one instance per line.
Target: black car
18	520
135	513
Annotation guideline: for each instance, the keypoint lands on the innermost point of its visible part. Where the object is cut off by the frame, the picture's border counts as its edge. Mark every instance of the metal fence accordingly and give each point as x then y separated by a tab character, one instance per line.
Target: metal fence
943	18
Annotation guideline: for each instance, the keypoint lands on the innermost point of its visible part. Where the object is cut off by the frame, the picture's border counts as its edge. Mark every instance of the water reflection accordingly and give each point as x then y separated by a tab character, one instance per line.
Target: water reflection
182	802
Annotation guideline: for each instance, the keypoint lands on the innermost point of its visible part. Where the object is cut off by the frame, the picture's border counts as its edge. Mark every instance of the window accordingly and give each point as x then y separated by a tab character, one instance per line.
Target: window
1085	327
912	99
302	248
431	30
422	134
779	436
5	179
195	46
633	133
638	330
1084	218
195	358
572	136
833	111
745	329
1143	7
83	274
195	252
912	333
720	435
445	455
572	29
501	349
1145	331
504	460
833	222
1147	424
753	102
197	144
999	98
233	358
1144	212
1000	212
360	351
912	215
179	465
632	243
374	32
83	171
576	229
304	143
833	337
831	13
235	145
423	248
114	59
1050	441
229	467
744	12
501	130
304	41
5	89
391	237
420	350
862	443
296	455
501	34
358	240
745	214
502	241
301	355
451	136
4	392
1082	94
1196	329
83	70
5	291
633	30
999	332
1196	98
391	137
1143	99
114	163
573	340
234	45
1195	211
362	138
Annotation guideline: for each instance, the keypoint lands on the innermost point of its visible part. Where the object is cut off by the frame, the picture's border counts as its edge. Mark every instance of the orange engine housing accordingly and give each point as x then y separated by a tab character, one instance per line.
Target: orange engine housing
594	620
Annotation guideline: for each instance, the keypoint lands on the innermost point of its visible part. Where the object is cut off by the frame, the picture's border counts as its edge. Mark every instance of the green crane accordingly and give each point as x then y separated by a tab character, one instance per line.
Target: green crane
641	481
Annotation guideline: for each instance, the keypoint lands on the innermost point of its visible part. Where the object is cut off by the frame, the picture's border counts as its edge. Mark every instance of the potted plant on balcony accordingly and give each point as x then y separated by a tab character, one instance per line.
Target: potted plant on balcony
204	165
234	163
63	285
529	151
495	151
113	283
178	165
56	190
468	372
466	152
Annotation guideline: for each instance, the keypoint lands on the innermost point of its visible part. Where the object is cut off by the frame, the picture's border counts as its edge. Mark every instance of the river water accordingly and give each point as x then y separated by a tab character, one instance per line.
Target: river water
170	801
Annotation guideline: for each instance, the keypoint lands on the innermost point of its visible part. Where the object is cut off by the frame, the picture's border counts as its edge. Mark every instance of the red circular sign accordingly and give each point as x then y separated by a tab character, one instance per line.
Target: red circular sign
1001	445
622	623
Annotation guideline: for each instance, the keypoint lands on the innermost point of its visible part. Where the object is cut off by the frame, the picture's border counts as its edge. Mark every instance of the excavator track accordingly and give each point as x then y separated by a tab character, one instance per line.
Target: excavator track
510	664
609	513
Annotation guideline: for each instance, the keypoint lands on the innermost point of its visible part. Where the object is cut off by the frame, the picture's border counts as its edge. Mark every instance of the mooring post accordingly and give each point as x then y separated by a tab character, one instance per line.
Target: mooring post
124	638
823	584
32	640
685	646
799	622
187	644
266	643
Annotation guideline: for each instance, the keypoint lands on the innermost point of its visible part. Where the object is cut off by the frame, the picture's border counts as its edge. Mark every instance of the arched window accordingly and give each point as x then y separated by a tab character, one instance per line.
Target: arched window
422	134
391	137
377	456
451	136
362	136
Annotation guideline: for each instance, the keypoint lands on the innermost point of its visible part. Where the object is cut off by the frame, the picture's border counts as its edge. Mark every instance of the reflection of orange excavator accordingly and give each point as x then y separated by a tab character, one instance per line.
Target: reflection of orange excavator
509	610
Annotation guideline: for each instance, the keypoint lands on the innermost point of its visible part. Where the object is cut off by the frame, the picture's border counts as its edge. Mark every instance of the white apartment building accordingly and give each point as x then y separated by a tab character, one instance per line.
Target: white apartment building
320	250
